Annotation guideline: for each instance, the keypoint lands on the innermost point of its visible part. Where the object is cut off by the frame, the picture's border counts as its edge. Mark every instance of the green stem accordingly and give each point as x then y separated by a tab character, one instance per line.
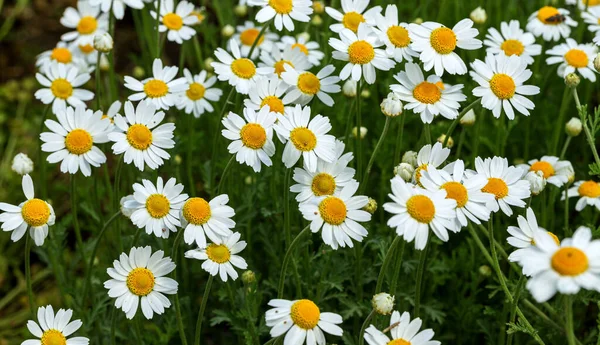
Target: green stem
358	127
116	199
76	218
190	150
365	179
113	325
28	273
386	261
399	135
361	338
260	34
41	162
586	130
563	152
98	81
202	308
157	31
457	120
286	260
420	270
177	304
569	318
286	207
427	130
567	230
224	175
399	256
514	305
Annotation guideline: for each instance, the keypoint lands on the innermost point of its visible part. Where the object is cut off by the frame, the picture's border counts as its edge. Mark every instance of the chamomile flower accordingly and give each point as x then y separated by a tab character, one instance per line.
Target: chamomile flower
428	98
118	6
584	4
512	40
504	182
588	193
34	215
310	49
140	279
283	11
354	14
394	35
305	137
88	55
113	110
361	53
592	18
54	328
268	92
62	53
302	320
277	58
201	218
87	22
553	169
551	23
61	84
403	331
247	34
429	156
574	57
251	136
436	45
157	207
338	216
72	140
416	210
139	136
239	71
199	92
162	89
500	80
221	256
305	85
524	235
176	21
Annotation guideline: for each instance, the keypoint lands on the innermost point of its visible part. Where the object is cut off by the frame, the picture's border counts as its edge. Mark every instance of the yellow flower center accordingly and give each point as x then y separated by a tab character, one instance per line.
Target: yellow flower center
79	141
547	12
248	37
512	47
156	88
323	184
253	136
87	25
502	86
140	281
333	210
428	93
590	3
53	337
86	49
303	139
421	208
243	68
139	136
281	6
497	187
456	191
198	15
35	212
279	66
419	173
398	36
62	55
399	342
351	20
576	58
305	314
172	21
308	83
443	40
590	189
440	85
195	91
196	211
300	46
360	52
158	205
218	253
61	88
274	103
569	261
544	167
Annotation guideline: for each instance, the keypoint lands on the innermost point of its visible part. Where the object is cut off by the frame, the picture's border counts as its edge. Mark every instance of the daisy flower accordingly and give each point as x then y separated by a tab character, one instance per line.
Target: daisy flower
237	70
221	256
201	218
61	84
268	92
354	14
436	45
276	59
140	137
304	85
88	56
305	137
524	235
176	20
72	139
427	97
62	53
566	268
553	169
33	214
309	48
588	193
247	34
199	92
592	18
113	110
512	40
429	156
551	23
161	89
504	182
54	328
283	11
500	80
584	4
394	35
139	278
338	216
302	320
157	207
361	53
118	6
87	22
251	136
574	57
403	331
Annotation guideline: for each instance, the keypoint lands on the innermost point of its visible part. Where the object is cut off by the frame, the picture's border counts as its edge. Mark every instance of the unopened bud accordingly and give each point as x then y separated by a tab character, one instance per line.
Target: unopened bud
127	212
349	88
597	62
536	180
418	20
22	164
391	105
468	119
567	170
383	303
371	206
103	42
208	64
240	10
316	20
319	7
405	171
365	93
410	157
442	138
227	31
363	132
138	72
485	270
572	80
478	15
248	277
573	127
178	159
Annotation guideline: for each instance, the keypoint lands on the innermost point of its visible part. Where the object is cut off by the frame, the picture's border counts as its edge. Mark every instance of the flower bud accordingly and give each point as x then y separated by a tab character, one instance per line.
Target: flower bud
240	10
138	72
442	138
371	206
208	64
349	88
365	93
536	180
103	42
468	119
22	164
410	157
573	127
249	180
418	20
567	170
478	15
248	277
316	20
383	303
127	212
572	80
363	132
178	159
391	105
319	7
597	63
227	31
405	171
485	270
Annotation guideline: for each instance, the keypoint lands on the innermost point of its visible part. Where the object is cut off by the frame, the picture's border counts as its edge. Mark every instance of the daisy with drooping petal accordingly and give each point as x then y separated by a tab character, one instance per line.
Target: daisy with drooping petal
361	53
426	97
118	6
338	216
268	92
310	49
239	71
221	256
62	53
302	320
592	18
553	169
72	140
428	156
61	84
436	45
201	218
500	80
551	23
252	136
354	14
140	137
524	235
199	92
162	89
403	332
283	11
304	85
176	20
574	57
87	22
588	193
54	328
394	35
247	34
512	40
140	279
276	59
33	214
